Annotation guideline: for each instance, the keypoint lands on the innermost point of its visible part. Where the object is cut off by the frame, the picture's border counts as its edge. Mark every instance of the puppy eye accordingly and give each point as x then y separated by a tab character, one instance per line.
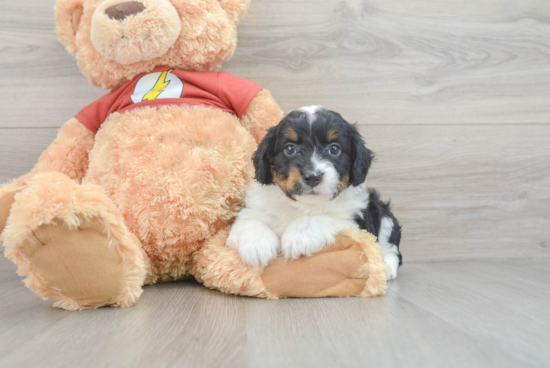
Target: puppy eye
334	150
290	150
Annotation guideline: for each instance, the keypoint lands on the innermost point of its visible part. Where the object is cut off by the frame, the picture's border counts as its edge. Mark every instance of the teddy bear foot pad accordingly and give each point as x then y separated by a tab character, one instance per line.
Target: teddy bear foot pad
71	243
77	262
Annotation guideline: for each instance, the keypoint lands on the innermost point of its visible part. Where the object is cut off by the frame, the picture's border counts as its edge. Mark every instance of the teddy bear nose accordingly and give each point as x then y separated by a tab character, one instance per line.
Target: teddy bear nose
124	10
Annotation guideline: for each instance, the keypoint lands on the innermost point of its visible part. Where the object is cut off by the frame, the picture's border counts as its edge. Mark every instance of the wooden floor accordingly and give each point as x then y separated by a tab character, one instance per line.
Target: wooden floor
454	98
449	314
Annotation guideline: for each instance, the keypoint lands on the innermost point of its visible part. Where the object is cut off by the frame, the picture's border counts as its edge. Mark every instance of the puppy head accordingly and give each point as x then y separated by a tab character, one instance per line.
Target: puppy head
312	155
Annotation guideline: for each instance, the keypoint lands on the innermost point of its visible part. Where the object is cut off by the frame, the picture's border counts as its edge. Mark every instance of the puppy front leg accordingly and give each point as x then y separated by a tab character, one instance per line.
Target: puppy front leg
392	257
309	234
257	244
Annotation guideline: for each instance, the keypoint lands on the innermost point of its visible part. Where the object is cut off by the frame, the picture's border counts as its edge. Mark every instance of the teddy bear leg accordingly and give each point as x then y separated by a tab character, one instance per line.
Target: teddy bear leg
353	266
72	244
7	197
220	267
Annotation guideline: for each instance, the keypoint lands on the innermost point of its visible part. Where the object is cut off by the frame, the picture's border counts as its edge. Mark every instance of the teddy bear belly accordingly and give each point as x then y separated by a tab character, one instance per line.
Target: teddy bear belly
177	174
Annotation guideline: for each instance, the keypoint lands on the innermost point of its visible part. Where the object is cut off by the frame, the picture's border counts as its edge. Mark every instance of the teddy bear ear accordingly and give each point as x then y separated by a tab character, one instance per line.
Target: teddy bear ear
67	19
235	8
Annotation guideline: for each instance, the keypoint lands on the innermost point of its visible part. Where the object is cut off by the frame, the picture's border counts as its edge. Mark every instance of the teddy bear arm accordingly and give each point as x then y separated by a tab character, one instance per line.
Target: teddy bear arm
68	154
262	113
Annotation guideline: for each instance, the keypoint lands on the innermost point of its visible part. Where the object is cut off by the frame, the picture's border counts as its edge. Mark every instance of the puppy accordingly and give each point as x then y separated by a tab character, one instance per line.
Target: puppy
310	174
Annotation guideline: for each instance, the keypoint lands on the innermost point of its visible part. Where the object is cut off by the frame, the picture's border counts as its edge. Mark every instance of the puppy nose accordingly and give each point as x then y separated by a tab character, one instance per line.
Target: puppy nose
124	10
313	179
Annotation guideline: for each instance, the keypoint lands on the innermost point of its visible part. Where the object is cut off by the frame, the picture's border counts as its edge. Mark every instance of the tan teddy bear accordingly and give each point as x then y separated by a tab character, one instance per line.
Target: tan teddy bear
142	185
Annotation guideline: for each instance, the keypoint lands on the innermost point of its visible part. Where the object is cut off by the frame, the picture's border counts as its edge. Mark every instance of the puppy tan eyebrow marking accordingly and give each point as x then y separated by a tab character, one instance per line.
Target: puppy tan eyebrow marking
292	135
332	135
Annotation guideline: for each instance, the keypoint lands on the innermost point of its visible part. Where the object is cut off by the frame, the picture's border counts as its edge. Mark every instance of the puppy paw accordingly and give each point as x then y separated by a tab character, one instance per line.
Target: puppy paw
258	247
295	244
307	235
392	260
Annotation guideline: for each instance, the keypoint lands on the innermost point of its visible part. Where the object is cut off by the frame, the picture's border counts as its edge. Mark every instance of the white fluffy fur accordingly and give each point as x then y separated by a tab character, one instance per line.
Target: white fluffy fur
311	110
390	250
304	226
257	244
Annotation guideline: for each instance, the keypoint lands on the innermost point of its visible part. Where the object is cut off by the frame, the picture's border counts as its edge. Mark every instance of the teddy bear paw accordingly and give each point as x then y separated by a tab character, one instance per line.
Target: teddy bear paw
78	267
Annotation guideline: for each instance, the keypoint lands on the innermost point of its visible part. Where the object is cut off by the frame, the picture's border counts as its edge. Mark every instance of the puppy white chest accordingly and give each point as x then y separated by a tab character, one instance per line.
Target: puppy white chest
269	205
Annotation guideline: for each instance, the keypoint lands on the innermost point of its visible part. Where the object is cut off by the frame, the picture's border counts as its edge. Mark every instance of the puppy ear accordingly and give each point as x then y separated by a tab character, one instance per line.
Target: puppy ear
235	8
67	20
362	159
263	157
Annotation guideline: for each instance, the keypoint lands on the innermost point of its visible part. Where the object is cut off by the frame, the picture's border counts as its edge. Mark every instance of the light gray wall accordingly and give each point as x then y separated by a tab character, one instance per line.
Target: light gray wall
454	97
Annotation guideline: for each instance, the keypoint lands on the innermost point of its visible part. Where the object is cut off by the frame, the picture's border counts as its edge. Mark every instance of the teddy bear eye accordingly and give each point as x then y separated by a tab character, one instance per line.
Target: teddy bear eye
290	150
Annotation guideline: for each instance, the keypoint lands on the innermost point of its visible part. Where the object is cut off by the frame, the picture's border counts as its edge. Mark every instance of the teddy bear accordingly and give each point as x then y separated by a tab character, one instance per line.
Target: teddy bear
143	184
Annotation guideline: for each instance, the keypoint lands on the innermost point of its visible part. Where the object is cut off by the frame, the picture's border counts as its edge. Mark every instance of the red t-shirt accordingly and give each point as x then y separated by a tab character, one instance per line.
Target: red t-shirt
164	86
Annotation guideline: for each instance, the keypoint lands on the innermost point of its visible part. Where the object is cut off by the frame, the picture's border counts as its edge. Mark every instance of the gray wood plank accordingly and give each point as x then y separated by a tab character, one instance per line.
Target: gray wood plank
23	315
21	148
41	83
5	263
382	62
461	192
499	302
172	325
399	62
452	96
456	314
465	192
386	332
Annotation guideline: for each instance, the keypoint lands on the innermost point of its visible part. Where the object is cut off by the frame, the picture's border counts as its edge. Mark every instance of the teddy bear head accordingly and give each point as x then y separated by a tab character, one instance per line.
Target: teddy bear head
115	40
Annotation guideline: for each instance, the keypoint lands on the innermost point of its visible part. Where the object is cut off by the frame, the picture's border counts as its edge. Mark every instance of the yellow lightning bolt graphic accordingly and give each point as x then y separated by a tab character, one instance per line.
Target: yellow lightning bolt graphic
158	88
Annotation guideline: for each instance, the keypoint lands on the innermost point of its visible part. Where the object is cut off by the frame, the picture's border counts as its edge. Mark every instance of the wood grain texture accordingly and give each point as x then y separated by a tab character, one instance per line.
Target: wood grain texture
443	94
453	98
41	84
461	192
399	62
455	314
464	192
380	61
21	148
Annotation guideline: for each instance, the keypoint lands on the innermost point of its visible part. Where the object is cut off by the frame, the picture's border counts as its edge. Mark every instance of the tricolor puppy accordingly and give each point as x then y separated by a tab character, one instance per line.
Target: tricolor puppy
310	184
